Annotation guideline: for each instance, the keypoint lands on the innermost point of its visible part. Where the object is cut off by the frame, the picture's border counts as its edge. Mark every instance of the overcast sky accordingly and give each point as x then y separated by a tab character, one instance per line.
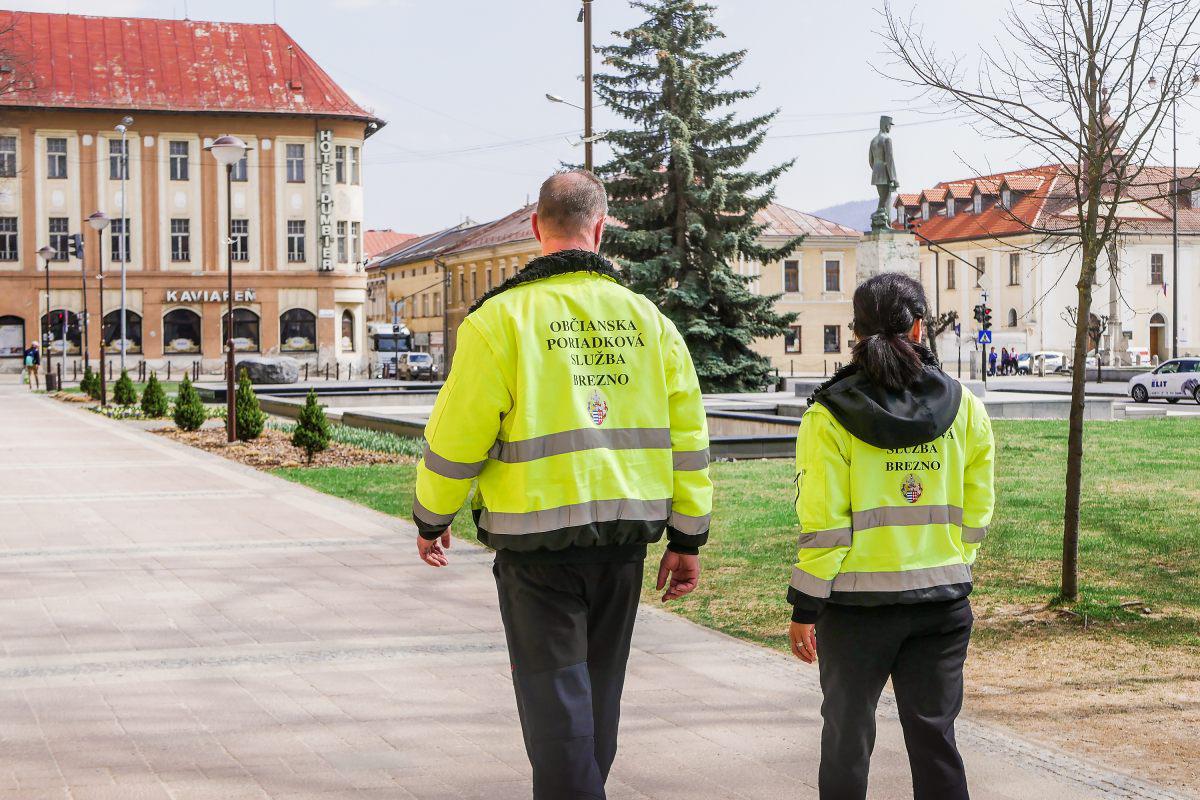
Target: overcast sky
461	84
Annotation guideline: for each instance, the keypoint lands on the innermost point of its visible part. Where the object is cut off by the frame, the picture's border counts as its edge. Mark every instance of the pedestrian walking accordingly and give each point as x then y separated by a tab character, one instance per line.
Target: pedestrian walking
574	405
32	360
1004	362
883	573
992	362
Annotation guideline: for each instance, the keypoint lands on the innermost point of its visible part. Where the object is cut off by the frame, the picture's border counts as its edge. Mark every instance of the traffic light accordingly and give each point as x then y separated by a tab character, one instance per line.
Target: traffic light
977	313
75	245
987	317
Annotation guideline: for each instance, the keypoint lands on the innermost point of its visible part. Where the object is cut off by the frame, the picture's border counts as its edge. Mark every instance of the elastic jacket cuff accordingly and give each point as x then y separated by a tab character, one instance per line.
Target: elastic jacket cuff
805	607
682	549
686	543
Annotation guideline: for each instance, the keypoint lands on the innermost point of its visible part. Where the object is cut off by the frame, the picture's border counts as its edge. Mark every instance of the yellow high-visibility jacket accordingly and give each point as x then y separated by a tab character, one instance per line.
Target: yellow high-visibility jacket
574	406
894	493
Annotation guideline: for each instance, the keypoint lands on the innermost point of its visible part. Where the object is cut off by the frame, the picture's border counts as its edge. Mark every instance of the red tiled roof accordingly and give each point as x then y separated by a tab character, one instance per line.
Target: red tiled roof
1022	183
963	190
934	195
516	227
994	221
989	185
783	221
909	200
379	242
129	63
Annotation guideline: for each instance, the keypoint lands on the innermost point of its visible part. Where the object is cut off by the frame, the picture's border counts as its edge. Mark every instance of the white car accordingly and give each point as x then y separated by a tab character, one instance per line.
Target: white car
1172	381
1027	363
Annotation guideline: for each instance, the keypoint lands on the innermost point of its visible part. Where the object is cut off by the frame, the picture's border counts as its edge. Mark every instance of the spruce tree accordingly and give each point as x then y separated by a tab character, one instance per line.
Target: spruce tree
250	416
124	392
89	384
678	182
312	428
189	411
154	399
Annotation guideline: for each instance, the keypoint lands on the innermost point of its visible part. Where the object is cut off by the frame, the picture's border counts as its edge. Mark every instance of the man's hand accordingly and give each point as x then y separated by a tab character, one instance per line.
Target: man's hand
684	572
431	550
804	641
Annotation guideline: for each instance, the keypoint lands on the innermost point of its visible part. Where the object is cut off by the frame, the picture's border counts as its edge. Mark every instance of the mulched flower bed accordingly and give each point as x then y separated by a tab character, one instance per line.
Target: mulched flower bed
274	449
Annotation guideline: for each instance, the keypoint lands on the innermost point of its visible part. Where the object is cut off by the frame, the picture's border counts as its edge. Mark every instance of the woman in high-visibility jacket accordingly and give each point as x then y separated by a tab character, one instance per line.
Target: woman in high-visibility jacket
894	495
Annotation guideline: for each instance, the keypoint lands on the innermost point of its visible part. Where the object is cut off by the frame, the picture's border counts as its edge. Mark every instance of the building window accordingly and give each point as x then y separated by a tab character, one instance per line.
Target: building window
833	339
462	285
1156	269
60	237
792	340
1014	269
356	243
339	163
833	275
245	330
58	318
341	241
179	161
1006	197
474	284
977	203
181	240
980	268
925	209
240	170
791	276
951	274
488	280
239	240
950	204
110	331
1012	318
118	160
1193	196
8	156
355	160
347	331
297	331
181	331
425	305
118	235
295	240
12	336
437	304
8	238
295	163
56	158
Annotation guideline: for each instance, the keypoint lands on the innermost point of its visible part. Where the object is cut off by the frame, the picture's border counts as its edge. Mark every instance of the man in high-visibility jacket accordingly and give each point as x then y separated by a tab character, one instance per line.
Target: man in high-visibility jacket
574	407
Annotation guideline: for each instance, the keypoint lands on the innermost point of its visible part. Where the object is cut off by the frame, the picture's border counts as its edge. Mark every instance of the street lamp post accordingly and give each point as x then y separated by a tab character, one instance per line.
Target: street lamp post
586	13
47	252
99	221
123	128
228	150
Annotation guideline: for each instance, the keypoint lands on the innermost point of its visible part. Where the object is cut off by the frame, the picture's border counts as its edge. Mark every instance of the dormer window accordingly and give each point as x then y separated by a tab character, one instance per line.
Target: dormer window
925	209
1006	197
1194	198
950	207
977	203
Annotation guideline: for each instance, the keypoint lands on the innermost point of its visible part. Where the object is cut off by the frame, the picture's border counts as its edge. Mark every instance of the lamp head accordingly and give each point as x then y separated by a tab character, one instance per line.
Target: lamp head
98	220
47	252
228	149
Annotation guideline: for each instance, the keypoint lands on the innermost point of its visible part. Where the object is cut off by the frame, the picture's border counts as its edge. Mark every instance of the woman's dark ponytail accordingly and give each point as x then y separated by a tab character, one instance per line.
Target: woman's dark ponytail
885	308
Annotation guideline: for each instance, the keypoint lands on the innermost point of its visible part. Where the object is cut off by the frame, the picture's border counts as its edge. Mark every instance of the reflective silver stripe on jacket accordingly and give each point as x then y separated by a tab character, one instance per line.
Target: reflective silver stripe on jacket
689	460
455	470
838	537
902	581
907	515
973	535
689	524
550	519
428	517
554	444
810	584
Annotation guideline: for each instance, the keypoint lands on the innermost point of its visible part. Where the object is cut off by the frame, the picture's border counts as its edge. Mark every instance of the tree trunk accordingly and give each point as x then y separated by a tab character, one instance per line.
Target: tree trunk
1070	559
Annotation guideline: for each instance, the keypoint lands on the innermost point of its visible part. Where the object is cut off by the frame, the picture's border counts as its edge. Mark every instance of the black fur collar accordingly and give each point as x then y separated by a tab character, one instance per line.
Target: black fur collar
560	263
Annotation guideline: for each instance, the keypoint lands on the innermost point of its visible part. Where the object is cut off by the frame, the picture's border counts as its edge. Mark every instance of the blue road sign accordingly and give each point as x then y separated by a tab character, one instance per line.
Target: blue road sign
985	337
958	330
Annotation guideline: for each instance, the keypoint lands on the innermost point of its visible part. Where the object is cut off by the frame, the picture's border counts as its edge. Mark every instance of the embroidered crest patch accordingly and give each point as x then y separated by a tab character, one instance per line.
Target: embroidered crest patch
912	488
597	408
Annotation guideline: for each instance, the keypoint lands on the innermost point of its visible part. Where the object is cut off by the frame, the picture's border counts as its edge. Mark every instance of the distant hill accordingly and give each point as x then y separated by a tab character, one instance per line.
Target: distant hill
855	214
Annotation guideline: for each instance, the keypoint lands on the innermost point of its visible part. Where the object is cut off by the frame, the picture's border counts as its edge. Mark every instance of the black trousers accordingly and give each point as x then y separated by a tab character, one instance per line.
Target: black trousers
568	628
921	647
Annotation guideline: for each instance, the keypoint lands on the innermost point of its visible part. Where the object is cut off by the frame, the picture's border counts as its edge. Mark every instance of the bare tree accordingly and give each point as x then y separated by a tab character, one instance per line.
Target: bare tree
1085	87
936	327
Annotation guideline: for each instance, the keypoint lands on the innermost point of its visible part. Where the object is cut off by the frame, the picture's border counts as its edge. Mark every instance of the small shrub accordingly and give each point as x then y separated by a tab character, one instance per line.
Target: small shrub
189	411
250	416
89	384
154	399
124	393
312	428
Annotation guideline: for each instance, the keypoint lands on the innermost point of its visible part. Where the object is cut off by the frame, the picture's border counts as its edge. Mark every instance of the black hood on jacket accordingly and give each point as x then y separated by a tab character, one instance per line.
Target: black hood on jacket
887	419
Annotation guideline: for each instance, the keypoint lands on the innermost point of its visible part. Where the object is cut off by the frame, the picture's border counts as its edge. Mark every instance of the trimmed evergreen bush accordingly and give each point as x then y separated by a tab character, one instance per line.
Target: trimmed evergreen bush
89	384
250	416
154	399
124	392
189	411
312	428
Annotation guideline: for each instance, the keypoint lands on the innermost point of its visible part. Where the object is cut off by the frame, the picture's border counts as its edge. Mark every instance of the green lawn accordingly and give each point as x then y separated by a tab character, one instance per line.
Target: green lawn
1141	529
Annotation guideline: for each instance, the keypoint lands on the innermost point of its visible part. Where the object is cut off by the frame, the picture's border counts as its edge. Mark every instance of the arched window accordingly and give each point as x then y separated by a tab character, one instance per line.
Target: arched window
245	330
297	331
57	318
111	331
1012	318
347	330
12	336
181	331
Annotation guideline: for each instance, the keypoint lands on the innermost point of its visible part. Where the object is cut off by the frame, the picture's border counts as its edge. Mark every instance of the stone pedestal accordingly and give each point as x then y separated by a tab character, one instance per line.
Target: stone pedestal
888	251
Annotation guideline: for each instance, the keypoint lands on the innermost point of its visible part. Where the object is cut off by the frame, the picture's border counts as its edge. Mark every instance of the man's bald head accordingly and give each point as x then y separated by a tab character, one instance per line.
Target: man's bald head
571	204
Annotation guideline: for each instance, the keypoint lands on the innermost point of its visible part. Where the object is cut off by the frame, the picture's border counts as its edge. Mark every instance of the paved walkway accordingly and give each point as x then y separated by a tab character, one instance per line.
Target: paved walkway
176	626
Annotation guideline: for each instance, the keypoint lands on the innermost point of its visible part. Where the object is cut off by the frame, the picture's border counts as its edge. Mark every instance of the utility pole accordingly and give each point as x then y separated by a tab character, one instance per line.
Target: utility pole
126	236
1174	232
586	14
445	318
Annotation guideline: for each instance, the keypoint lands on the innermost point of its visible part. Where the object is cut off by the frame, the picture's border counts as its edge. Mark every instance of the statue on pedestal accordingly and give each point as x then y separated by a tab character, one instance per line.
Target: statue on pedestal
883	174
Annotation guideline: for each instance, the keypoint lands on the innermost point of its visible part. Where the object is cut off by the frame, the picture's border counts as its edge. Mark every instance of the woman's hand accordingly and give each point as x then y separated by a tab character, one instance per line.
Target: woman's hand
804	641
